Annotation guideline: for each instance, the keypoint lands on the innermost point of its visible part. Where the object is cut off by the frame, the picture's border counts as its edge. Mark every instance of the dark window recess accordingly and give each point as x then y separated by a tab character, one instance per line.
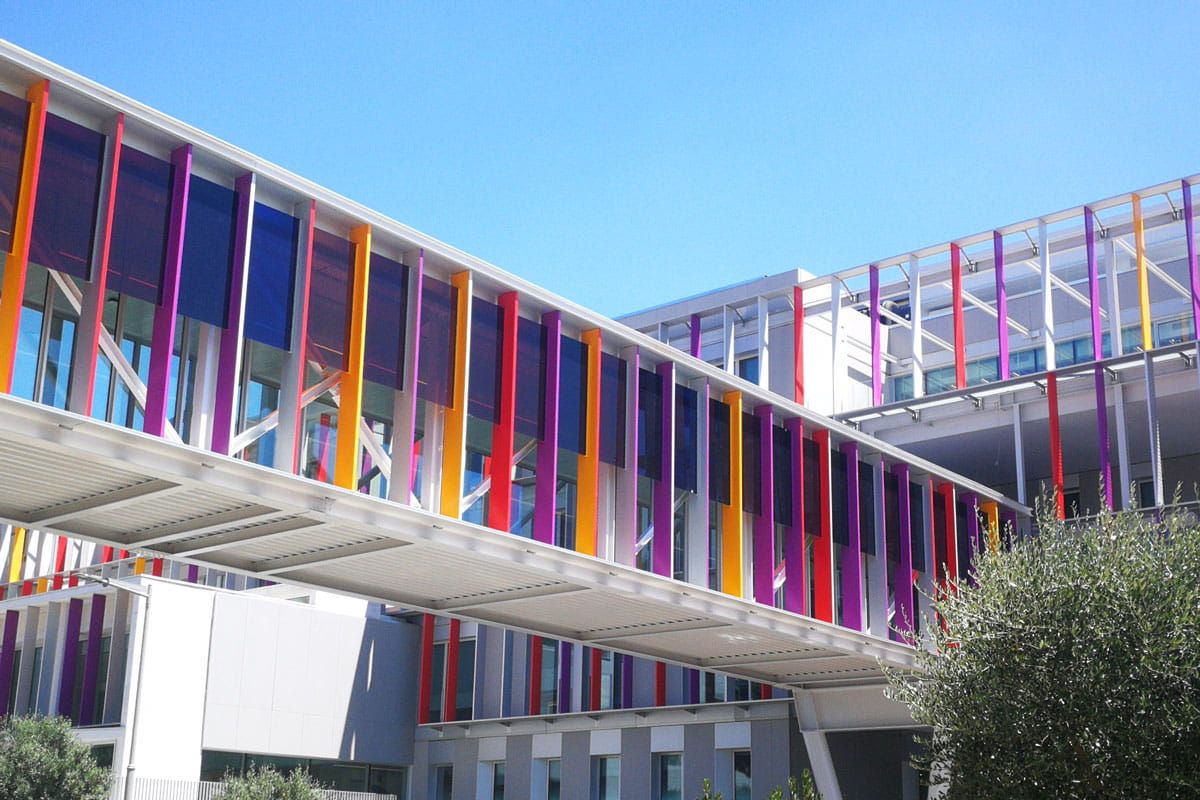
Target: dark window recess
487	333
916	505
439	330
387	315
812	488
64	218
270	287
964	540
718	451
207	251
613	404
939	535
839	487
572	394
330	287
866	507
781	472
14	119
687	406
141	217
751	464
531	377
891	515
650	408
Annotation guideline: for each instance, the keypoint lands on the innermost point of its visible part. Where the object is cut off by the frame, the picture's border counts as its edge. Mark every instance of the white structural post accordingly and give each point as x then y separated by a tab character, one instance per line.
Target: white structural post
729	328
1019	452
926	581
204	391
51	667
835	343
291	420
1047	297
1155	442
404	401
625	528
1114	298
914	314
819	757
877	565
697	504
1122	444
25	668
764	343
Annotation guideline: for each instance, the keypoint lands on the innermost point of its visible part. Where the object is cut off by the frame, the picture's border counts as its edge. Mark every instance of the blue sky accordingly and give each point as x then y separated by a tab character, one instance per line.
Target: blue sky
628	154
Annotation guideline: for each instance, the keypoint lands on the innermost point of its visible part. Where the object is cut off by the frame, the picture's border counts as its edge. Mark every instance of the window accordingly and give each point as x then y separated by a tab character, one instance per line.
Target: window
339	776
741	775
553	779
443	781
1145	494
437	672
902	388
1071	503
668	777
498	781
1174	331
1027	362
384	780
748	368
103	753
606	778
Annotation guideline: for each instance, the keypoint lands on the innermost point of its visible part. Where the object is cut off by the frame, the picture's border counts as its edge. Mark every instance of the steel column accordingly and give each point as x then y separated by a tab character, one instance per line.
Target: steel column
91	663
876	339
1001	303
960	347
798	344
822	578
733	567
546	489
454	434
795	591
764	521
588	506
290	431
348	458
504	431
852	584
229	364
664	488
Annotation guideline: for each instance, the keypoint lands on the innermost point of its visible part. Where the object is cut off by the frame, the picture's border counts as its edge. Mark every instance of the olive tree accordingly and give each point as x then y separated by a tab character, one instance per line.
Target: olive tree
41	759
1069	667
269	784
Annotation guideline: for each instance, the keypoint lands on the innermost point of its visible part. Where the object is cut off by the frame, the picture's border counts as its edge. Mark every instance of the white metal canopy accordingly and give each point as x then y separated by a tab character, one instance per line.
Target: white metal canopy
90	479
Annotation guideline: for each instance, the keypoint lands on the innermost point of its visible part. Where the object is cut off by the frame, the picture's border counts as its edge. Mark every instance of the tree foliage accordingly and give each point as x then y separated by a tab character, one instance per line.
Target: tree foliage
268	784
41	759
1071	668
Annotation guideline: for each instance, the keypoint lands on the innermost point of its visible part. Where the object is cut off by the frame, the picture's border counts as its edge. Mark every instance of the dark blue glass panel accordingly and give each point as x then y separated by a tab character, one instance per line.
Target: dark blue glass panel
812	488
387	312
841	499
781	474
329	291
866	507
613	392
891	515
572	389
483	389
140	221
718	451
439	323
274	241
917	508
64	219
751	466
207	252
14	117
531	377
939	533
650	400
686	439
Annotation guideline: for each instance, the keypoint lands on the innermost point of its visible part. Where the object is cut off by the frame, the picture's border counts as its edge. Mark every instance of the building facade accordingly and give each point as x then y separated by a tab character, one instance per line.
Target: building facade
719	517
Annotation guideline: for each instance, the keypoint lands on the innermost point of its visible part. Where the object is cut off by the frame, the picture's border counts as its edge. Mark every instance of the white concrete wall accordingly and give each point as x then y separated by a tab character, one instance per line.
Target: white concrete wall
292	679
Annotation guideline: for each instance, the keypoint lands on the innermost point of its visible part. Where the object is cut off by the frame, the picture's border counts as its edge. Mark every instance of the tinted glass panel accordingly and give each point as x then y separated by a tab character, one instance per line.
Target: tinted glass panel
782	475
650	398
439	321
686	438
891	515
917	507
572	389
14	116
270	286
329	298
866	507
841	505
486	335
718	451
812	488
68	189
751	464
612	409
531	377
960	533
140	220
207	251
387	312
